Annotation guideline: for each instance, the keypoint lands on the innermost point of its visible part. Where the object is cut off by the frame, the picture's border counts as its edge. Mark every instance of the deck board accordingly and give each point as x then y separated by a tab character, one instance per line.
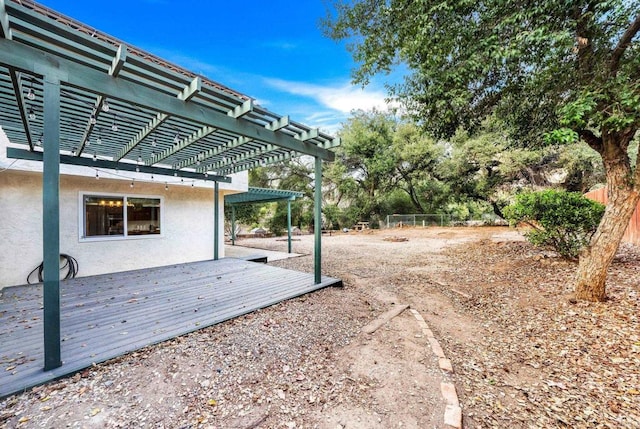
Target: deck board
109	315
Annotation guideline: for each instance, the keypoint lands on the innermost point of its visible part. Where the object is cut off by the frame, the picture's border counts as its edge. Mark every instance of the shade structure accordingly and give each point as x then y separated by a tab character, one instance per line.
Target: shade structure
71	94
262	195
119	104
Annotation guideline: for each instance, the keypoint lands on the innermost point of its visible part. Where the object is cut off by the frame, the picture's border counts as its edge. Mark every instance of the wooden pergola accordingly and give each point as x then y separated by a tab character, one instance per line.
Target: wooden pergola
70	94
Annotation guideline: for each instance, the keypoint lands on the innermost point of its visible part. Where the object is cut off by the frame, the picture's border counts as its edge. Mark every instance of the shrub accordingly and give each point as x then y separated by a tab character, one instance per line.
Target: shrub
560	220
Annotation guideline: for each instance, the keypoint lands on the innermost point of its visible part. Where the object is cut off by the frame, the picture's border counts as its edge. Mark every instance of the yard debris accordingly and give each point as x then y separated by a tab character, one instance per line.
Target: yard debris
524	356
395	239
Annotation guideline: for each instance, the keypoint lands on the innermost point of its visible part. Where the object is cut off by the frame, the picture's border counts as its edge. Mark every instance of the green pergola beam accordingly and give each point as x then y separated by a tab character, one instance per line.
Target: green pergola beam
16	81
116	66
26	58
185	95
194	137
15	153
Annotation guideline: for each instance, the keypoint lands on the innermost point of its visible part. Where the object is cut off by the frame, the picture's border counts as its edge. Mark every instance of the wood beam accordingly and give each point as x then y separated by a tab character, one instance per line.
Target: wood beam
186	94
117	64
15	153
194	137
29	59
241	110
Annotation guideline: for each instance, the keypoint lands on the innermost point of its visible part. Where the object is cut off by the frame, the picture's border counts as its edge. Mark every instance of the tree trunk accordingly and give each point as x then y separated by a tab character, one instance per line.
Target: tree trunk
623	197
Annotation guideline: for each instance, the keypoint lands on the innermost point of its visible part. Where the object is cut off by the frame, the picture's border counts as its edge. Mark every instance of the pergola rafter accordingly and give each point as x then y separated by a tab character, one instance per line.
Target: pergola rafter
116	67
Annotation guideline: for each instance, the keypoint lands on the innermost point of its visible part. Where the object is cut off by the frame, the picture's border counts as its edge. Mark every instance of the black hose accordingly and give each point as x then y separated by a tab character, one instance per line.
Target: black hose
70	264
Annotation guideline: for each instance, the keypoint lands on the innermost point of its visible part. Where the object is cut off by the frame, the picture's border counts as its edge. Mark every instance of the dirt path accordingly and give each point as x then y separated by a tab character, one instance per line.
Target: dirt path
522	355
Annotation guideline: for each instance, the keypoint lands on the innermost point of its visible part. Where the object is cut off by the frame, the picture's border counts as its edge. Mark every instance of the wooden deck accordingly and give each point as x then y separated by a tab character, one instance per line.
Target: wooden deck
106	316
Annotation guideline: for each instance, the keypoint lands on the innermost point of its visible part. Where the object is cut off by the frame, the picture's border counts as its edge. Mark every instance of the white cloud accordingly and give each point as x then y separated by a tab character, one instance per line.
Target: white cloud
344	98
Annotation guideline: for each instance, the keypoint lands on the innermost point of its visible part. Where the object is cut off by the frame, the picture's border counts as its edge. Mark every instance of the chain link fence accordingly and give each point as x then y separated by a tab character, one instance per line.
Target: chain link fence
425	220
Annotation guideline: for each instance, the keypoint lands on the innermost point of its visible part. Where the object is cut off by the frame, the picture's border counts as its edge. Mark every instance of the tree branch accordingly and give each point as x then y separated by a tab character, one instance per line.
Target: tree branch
623	44
592	140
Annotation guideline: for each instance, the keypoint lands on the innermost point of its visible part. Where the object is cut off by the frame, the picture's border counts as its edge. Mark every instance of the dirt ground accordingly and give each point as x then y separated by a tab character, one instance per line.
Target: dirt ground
524	355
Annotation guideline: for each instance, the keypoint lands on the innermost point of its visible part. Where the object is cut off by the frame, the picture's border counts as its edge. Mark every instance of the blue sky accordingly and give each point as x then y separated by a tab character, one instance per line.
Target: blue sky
273	51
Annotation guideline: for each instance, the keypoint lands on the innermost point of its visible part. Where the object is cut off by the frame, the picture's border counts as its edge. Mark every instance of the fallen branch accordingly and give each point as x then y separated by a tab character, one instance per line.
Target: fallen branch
384	318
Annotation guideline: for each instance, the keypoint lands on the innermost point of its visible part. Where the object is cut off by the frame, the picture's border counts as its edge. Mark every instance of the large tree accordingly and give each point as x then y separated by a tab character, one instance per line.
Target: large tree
562	69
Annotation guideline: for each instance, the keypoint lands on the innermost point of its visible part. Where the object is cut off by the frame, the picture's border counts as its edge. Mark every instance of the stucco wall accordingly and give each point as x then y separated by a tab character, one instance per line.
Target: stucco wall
187	226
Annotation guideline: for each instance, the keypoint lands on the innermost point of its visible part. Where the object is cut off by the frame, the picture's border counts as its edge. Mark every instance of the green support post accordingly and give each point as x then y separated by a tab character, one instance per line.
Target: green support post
317	211
289	225
216	220
233	225
51	224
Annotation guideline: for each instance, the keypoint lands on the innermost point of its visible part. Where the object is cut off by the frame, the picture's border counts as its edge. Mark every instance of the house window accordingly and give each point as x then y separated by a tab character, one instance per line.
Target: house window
120	216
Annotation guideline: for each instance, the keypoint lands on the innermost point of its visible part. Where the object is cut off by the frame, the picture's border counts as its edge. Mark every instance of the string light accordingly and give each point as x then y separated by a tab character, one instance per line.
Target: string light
74	151
137	169
105	106
30	94
152	176
93	119
32	114
114	127
132	183
98	140
139	158
95	156
166	186
154	142
206	174
97	175
176	139
39	142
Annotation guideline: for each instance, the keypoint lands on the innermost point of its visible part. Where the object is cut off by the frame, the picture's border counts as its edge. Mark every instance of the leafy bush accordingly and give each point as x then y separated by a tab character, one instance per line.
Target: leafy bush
560	220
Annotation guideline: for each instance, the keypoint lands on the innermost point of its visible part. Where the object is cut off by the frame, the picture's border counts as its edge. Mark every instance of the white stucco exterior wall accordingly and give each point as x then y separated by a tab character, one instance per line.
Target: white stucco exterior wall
187	220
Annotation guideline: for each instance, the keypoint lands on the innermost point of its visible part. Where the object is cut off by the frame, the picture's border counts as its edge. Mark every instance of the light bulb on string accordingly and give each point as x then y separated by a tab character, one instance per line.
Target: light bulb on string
166	186
176	139
93	119
32	114
98	140
95	157
73	151
114	126
97	175
132	183
105	106
154	142
31	95
137	169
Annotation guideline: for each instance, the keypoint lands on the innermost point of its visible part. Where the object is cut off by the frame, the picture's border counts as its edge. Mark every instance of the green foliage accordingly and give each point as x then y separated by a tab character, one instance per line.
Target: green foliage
562	221
522	60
